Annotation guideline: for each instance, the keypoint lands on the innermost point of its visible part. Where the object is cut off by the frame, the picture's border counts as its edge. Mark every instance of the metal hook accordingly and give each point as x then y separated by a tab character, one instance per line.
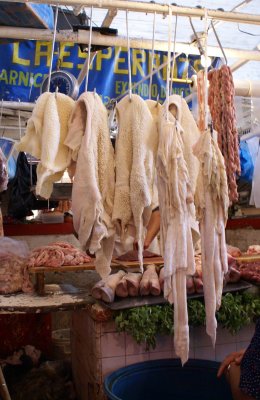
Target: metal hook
219	42
19	121
89	48
129	58
2	106
152	57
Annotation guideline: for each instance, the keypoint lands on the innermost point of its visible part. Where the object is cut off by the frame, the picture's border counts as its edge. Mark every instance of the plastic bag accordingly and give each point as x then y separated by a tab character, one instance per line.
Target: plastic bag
246	162
11	246
3	172
14	276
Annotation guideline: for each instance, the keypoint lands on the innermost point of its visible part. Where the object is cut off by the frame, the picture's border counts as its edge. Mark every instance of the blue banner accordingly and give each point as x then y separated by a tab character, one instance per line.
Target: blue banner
24	65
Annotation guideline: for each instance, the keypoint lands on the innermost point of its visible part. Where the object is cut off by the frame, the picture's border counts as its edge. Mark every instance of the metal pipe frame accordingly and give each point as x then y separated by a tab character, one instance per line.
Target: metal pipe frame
82	36
158	8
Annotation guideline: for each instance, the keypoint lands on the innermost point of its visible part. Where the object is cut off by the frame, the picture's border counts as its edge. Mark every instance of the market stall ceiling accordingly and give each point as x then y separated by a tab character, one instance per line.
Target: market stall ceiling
141	25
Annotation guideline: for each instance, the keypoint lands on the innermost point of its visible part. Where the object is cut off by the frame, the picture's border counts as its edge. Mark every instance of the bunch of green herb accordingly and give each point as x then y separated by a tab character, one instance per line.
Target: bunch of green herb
145	323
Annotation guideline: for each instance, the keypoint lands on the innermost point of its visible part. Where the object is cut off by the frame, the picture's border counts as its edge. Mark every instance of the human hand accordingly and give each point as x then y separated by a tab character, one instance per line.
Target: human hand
235	357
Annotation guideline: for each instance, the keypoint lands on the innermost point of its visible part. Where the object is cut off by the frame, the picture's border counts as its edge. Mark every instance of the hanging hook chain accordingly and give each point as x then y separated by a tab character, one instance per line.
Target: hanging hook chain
174	54
53	46
168	61
129	58
219	42
89	48
152	57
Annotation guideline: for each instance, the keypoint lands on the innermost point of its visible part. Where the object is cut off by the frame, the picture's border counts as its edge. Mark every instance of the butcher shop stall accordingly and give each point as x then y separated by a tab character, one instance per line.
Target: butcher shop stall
129	196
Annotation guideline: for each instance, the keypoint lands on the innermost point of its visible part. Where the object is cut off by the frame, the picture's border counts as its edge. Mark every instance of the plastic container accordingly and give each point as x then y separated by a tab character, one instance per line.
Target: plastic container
167	380
61	344
52	217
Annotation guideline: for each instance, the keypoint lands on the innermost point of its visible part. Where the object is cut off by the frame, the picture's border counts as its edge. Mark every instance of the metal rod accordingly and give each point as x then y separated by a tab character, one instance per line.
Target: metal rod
139	6
174	54
82	36
10	127
53	45
219	42
237	7
206	69
128	58
89	49
152	57
169	60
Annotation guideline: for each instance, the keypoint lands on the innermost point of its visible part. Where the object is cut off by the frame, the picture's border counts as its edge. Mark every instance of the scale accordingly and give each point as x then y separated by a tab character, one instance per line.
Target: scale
62	81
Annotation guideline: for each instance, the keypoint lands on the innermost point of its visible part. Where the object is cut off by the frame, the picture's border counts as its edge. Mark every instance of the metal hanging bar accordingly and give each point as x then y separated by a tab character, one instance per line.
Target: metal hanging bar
140	6
82	36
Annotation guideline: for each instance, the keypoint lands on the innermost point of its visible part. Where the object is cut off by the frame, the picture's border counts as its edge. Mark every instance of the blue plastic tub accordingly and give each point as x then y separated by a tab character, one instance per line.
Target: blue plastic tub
167	380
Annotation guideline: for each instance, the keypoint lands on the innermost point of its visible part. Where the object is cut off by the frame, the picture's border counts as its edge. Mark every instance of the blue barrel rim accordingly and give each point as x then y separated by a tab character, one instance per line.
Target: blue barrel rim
111	379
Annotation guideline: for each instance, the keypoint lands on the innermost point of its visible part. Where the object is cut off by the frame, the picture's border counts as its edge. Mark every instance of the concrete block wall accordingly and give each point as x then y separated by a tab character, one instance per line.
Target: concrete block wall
242	238
98	349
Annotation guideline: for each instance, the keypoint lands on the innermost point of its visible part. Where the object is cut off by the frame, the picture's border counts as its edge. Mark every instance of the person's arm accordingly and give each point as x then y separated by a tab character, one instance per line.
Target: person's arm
153	228
235	357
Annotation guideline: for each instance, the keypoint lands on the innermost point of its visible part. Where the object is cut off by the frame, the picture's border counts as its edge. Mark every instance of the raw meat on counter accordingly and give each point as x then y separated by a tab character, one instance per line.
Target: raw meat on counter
106	288
234	251
57	254
254	249
129	285
132	255
250	272
150	282
14	276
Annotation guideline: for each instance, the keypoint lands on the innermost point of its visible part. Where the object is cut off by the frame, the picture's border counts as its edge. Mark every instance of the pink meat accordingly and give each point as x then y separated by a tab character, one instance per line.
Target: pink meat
133	280
150	282
121	288
234	251
232	276
190	285
57	254
254	249
132	255
201	100
221	104
14	275
198	283
106	288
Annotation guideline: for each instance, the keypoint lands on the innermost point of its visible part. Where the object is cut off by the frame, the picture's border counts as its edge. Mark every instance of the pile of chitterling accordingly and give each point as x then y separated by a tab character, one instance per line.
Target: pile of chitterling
57	254
14	275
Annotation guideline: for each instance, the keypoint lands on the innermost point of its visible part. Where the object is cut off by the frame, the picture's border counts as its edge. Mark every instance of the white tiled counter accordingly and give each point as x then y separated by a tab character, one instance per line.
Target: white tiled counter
98	349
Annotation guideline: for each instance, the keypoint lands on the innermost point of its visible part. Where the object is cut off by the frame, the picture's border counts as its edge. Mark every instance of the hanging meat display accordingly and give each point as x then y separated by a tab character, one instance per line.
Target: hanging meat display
177	170
211	200
221	103
94	180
